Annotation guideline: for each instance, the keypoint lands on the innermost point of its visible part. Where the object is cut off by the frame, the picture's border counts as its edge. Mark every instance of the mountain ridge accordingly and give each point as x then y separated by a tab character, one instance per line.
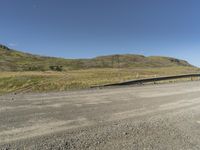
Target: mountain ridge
14	60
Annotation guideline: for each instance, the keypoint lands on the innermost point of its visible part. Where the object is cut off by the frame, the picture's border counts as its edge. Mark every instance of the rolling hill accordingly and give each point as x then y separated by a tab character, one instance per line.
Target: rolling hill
32	73
12	60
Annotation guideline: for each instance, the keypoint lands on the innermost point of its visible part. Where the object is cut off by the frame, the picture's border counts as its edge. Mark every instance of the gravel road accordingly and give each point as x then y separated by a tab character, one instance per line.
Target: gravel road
165	116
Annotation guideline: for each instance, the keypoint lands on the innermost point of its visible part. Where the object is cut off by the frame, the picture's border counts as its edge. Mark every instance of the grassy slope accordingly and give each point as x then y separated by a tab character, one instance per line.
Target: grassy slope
11	60
79	79
100	70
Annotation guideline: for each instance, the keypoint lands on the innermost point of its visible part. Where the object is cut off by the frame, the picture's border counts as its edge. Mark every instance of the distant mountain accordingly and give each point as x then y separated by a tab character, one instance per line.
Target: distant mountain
12	60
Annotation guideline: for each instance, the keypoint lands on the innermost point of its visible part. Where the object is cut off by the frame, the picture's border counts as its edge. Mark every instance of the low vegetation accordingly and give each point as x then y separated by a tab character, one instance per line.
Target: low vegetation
78	79
12	60
21	72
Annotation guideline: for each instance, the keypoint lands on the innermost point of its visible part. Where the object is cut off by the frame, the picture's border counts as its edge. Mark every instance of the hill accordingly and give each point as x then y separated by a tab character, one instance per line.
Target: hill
32	73
12	60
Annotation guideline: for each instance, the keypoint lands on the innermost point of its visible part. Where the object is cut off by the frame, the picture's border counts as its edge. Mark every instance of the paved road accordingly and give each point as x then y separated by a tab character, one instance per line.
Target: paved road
163	116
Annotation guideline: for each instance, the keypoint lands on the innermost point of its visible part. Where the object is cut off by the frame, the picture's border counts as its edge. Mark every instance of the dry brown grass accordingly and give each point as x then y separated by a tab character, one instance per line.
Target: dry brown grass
79	79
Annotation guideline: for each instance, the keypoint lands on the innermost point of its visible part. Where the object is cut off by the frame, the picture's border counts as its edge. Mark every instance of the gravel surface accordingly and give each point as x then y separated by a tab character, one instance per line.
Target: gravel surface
163	116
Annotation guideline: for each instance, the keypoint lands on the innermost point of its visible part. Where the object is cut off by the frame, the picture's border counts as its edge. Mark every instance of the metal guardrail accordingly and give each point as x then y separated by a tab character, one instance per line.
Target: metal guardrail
146	80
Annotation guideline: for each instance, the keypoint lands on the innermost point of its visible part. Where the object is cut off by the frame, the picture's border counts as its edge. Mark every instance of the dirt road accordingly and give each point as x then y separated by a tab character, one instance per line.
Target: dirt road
147	117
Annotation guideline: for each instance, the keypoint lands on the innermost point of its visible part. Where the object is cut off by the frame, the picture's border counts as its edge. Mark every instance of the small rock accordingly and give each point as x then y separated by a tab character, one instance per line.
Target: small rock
125	133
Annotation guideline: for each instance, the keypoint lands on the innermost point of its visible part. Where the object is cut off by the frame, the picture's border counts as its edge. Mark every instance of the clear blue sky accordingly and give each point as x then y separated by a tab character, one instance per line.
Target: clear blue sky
87	28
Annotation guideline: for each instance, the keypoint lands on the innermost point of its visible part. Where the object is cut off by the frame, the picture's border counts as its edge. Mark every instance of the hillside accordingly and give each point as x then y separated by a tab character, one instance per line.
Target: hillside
26	72
12	60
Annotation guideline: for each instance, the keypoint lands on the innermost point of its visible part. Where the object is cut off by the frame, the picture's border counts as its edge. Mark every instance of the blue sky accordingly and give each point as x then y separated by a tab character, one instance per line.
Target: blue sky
88	28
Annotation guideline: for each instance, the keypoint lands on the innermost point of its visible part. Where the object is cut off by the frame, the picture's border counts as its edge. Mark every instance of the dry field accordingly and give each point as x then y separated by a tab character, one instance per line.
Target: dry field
38	81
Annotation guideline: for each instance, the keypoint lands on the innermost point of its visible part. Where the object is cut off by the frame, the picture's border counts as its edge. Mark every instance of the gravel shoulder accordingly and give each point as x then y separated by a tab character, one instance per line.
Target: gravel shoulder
165	116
